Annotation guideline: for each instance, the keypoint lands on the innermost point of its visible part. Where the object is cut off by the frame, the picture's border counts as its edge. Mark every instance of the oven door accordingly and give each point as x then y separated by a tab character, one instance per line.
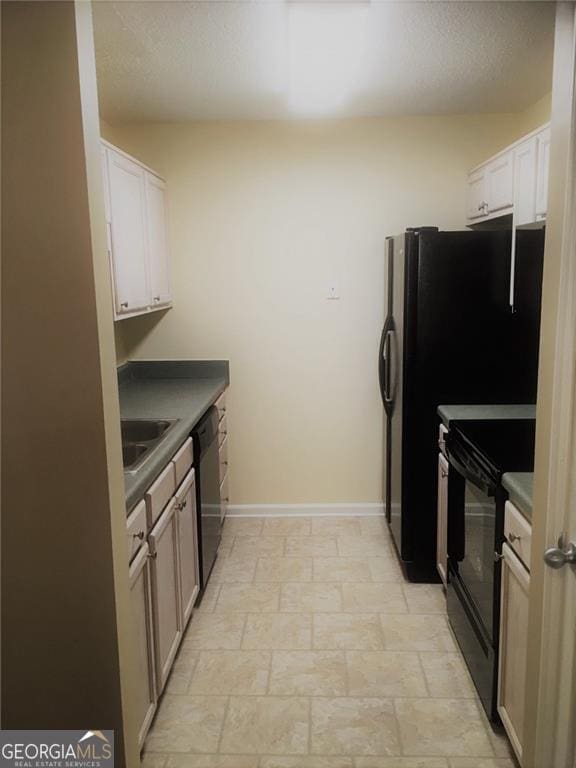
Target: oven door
471	545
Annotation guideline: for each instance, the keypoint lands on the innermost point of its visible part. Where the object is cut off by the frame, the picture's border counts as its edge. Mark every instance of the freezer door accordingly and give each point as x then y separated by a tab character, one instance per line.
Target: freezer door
395	342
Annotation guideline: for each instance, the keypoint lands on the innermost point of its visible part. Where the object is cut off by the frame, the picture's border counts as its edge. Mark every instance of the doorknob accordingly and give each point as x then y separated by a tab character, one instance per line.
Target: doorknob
558	556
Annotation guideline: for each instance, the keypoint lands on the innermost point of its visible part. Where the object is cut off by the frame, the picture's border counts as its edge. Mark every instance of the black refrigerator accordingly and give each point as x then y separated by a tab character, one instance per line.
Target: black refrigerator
450	336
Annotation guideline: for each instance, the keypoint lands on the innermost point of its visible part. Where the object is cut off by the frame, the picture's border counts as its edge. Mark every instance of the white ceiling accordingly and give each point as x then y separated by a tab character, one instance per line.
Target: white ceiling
216	59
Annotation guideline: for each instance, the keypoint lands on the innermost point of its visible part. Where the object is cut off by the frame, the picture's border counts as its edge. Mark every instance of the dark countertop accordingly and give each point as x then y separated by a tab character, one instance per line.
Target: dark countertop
450	413
181	390
520	487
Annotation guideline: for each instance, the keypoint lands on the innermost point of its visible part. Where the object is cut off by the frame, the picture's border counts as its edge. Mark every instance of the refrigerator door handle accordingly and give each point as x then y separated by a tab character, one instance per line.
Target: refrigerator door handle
392	347
383	365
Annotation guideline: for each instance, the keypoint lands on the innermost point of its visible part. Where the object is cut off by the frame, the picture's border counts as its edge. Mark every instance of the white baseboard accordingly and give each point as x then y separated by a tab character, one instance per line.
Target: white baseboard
306	510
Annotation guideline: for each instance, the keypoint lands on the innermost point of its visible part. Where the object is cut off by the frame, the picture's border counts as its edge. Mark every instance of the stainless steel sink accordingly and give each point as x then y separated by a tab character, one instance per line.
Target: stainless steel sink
139	438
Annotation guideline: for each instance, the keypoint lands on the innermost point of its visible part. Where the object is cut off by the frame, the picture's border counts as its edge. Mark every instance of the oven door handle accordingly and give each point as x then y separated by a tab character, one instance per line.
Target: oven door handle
480	482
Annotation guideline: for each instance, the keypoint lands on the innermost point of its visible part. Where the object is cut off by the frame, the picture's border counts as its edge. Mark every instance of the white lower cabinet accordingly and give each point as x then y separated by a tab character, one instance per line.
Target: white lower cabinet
442	523
141	604
187	546
513	643
163	542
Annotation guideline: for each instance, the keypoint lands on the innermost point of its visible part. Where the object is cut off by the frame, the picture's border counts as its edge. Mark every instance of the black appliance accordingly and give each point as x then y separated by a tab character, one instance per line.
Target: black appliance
479	453
449	336
207	467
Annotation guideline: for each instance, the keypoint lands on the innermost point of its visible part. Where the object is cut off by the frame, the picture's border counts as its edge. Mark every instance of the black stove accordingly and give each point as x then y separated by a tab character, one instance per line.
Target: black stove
479	453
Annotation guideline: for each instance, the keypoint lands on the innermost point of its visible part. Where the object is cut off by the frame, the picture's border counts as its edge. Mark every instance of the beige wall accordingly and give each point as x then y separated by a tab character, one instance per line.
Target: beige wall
262	216
536	115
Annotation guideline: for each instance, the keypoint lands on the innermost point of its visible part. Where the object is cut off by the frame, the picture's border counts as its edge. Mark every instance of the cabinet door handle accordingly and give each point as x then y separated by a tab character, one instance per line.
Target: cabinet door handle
152	555
139	535
124	304
512	537
156	298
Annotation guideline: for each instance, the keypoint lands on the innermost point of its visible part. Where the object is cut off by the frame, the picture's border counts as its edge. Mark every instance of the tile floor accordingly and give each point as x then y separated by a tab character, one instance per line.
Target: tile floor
310	650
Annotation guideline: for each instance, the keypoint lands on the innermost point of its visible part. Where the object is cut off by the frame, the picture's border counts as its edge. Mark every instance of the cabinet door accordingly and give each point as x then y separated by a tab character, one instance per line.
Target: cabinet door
513	642
128	229
476	194
500	182
543	142
442	524
141	603
166	591
525	182
187	545
158	262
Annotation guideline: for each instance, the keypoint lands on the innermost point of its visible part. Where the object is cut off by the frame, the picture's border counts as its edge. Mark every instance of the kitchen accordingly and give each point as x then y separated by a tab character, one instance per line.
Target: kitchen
262	238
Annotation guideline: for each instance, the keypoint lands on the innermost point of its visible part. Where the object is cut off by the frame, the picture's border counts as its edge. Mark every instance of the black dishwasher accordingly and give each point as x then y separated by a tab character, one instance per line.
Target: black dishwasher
207	467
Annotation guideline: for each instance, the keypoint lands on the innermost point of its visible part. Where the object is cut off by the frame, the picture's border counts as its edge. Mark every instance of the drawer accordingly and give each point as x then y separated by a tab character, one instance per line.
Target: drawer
136	529
224	492
159	493
518	532
223	430
223	458
221	405
442	432
183	460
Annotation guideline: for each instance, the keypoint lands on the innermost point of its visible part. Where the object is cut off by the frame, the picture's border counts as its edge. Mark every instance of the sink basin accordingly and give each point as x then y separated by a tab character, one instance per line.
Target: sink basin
139	437
144	430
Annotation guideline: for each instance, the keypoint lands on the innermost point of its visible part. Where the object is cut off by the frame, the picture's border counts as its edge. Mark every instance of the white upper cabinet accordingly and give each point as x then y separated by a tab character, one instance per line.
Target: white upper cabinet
515	181
525	182
128	229
500	182
543	142
158	262
137	236
477	205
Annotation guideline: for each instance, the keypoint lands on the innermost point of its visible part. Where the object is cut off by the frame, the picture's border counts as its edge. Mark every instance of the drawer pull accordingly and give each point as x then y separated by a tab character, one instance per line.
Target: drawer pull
152	555
513	537
139	535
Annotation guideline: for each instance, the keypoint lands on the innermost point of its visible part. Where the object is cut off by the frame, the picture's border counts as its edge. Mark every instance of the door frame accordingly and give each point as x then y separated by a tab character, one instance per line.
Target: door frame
550	712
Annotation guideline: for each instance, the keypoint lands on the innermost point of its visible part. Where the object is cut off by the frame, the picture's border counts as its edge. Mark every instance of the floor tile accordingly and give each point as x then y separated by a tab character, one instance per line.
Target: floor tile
375	525
306	761
500	744
209	598
401	762
283	569
212	761
153	760
354	727
242	526
214	631
348	631
266	725
385	569
340	569
385	673
336	526
286	526
321	546
447	675
258	546
302	598
233	569
278	631
248	598
363	546
373	598
478	762
308	673
425	598
187	724
182	671
231	672
417	633
444	727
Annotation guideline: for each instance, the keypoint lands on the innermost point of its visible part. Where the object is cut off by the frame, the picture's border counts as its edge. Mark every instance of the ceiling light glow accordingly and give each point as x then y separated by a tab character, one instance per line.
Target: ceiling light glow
325	50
